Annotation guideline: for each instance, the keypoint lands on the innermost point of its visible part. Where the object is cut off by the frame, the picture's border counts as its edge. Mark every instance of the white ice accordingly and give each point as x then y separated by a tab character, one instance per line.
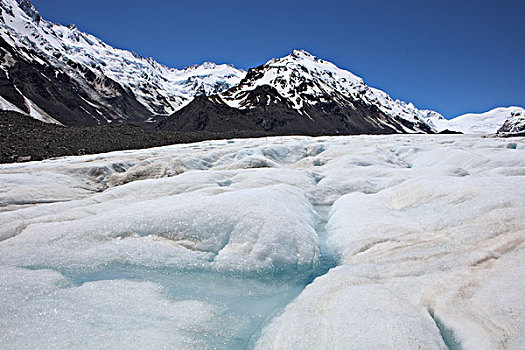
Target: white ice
211	245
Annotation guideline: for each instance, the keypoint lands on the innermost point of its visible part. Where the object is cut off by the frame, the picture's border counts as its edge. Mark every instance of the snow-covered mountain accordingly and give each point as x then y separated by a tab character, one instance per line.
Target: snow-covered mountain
100	73
59	74
477	123
301	93
306	82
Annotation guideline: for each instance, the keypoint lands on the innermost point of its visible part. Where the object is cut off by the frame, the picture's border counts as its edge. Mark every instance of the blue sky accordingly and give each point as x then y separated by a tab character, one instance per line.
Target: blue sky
451	56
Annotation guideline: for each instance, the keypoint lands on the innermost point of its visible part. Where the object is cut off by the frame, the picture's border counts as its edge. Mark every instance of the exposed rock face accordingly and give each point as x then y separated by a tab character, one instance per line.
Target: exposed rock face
515	124
23	138
78	97
29	10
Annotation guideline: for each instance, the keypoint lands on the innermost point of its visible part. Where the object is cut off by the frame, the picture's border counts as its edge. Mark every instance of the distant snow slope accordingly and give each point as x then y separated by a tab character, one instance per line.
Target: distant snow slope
365	242
474	123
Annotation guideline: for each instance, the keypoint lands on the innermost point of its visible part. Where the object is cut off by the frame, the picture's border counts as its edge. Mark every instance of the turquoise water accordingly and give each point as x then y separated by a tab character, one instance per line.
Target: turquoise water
246	303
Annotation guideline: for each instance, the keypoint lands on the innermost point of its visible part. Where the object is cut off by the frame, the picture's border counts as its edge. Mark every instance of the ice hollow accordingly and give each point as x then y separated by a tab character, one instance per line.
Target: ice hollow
40	310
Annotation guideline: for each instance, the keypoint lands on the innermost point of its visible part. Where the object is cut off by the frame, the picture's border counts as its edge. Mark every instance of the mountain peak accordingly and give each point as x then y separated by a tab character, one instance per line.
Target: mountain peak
308	83
301	53
204	65
300	74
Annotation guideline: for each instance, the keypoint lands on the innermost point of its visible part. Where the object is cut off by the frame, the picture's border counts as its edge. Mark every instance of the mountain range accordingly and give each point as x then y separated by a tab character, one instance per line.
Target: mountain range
61	75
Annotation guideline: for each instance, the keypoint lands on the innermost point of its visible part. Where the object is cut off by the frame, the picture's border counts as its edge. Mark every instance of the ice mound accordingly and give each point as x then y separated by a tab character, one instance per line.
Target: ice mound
342	311
269	228
427	217
429	255
19	189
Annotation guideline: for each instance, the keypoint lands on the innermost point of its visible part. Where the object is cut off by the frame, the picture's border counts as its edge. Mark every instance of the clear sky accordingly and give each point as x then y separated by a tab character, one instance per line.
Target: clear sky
453	56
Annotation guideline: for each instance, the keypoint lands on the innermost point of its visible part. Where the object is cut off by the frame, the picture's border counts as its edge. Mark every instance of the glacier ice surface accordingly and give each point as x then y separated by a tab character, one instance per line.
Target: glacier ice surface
233	244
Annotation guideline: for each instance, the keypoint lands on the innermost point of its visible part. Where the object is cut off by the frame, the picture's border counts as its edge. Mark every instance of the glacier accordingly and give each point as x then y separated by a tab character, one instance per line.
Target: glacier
350	242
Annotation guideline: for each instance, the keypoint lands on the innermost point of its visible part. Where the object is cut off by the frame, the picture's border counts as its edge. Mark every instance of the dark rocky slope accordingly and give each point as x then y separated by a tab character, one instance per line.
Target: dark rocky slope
270	113
62	97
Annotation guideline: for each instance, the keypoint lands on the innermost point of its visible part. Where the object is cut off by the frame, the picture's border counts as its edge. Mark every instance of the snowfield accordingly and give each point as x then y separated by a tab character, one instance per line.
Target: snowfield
358	242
